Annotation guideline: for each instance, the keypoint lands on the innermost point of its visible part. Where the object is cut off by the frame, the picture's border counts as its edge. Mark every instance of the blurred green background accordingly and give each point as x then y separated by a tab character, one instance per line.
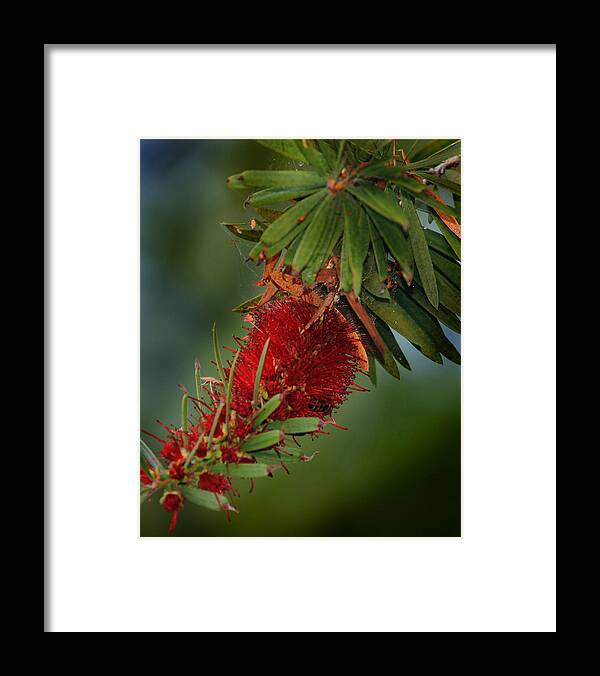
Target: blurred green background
395	472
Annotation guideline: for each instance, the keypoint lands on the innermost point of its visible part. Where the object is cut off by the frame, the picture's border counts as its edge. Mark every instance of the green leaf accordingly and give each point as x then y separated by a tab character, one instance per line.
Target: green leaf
297	425
257	178
396	242
438	243
328	238
286	227
149	456
449	294
374	285
278	195
430	327
355	247
285	147
442	181
392	344
269	215
450	269
383	202
388	362
203	498
438	206
262	440
228	393
217	352
442	313
429	147
372	370
243	231
313	156
330	154
379	254
287	455
397	316
259	370
247	304
436	158
420	250
268	409
452	239
316	235
244	470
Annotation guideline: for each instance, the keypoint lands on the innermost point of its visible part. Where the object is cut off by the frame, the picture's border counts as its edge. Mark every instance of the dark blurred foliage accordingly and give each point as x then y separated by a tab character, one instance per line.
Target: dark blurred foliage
395	472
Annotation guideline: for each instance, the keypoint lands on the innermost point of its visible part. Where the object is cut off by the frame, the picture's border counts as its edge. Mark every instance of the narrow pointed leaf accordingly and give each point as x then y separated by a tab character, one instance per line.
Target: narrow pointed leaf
396	241
269	215
316	235
429	147
430	327
442	181
379	253
313	156
450	269
382	202
204	499
257	178
329	153
391	343
244	231
442	313
268	409
403	321
438	242
297	425
330	236
388	362
285	147
278	195
420	250
372	370
290	455
356	245
259	370
247	304
438	207
290	222
436	158
453	241
217	352
243	470
449	294
262	440
149	456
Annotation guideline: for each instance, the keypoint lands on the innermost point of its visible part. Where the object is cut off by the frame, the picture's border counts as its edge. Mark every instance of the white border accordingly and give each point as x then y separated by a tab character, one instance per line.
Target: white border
501	575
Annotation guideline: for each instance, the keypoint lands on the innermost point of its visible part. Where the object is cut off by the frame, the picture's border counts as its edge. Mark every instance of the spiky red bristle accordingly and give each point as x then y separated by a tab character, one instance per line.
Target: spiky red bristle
313	368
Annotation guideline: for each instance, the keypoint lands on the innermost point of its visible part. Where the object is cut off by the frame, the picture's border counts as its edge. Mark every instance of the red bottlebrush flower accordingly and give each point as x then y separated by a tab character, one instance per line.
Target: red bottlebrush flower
230	454
314	368
215	483
171	450
144	478
176	470
172	501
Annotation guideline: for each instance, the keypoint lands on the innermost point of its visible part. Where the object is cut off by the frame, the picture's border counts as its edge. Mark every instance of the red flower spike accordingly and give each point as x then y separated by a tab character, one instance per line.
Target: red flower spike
144	478
313	367
172	501
171	450
215	483
176	470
